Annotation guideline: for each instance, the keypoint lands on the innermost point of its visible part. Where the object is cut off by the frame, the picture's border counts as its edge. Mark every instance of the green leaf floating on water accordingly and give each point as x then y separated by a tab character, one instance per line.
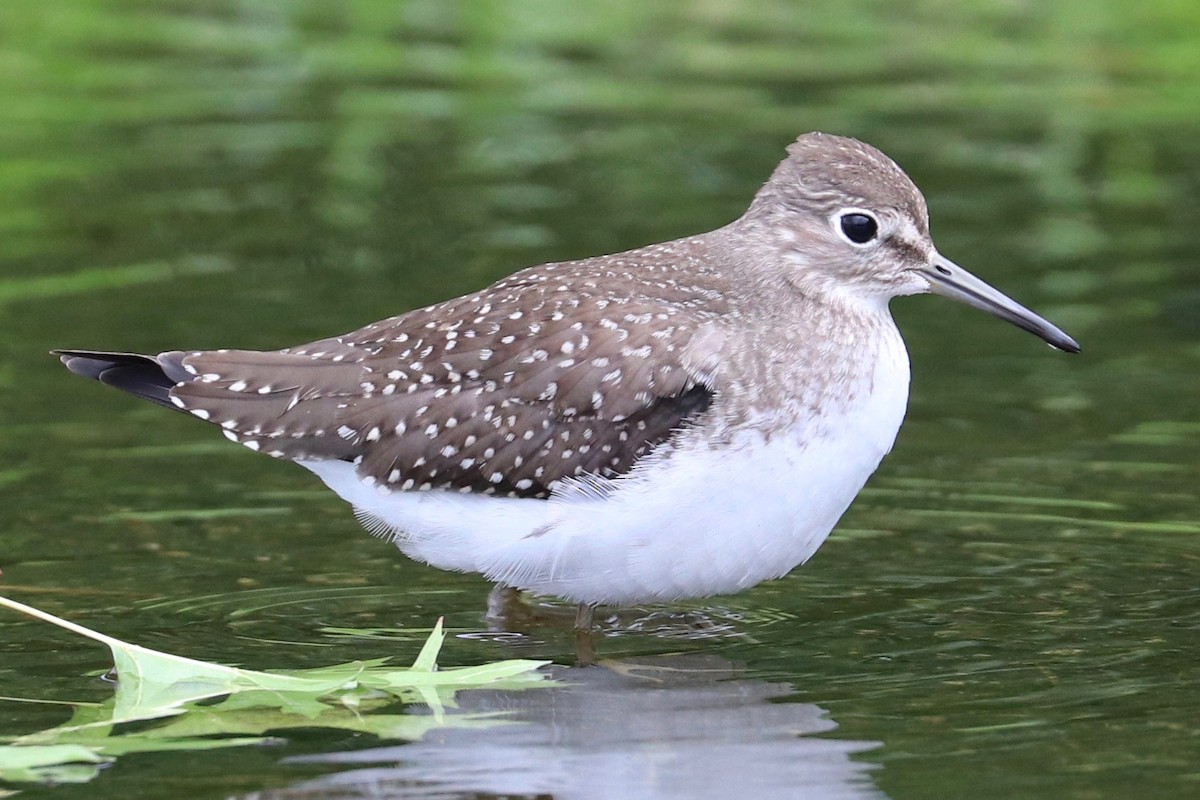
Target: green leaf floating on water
241	706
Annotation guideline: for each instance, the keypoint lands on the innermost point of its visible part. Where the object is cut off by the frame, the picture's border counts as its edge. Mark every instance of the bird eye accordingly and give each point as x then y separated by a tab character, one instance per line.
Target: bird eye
859	228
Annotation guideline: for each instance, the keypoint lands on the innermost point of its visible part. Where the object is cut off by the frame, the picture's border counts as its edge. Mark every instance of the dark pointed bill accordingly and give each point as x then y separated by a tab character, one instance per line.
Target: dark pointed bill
950	280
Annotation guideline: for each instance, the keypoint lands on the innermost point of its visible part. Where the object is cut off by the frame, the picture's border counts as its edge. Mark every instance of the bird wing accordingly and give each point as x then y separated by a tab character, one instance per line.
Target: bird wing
506	391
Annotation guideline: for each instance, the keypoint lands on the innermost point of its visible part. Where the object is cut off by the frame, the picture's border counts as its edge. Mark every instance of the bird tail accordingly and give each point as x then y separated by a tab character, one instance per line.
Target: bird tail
148	377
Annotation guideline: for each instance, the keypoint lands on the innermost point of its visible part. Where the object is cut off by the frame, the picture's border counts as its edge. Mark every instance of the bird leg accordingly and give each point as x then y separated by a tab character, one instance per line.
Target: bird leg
502	602
585	641
585	617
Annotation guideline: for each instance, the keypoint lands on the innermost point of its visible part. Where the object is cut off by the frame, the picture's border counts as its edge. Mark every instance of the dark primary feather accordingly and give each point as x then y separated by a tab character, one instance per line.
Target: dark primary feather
148	377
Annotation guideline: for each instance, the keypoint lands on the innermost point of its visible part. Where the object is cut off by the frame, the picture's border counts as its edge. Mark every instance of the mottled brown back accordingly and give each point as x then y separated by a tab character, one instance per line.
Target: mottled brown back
543	376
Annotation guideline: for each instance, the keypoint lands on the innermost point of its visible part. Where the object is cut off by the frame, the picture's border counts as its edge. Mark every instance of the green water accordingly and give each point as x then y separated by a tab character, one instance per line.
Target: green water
1012	607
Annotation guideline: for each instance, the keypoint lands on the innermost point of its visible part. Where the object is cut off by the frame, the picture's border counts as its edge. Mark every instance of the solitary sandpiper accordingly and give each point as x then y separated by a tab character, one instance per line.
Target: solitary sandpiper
681	420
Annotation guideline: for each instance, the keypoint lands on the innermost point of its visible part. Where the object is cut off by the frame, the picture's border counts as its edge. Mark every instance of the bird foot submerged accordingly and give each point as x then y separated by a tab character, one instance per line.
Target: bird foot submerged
510	610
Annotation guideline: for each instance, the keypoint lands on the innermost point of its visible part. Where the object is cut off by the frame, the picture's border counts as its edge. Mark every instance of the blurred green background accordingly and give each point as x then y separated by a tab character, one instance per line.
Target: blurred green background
1011	608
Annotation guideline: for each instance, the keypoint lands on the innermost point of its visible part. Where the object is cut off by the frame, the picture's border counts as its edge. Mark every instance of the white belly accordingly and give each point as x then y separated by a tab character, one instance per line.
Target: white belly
695	522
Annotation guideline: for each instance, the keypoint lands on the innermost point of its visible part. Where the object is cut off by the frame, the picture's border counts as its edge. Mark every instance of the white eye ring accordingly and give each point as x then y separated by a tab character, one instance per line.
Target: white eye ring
857	226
